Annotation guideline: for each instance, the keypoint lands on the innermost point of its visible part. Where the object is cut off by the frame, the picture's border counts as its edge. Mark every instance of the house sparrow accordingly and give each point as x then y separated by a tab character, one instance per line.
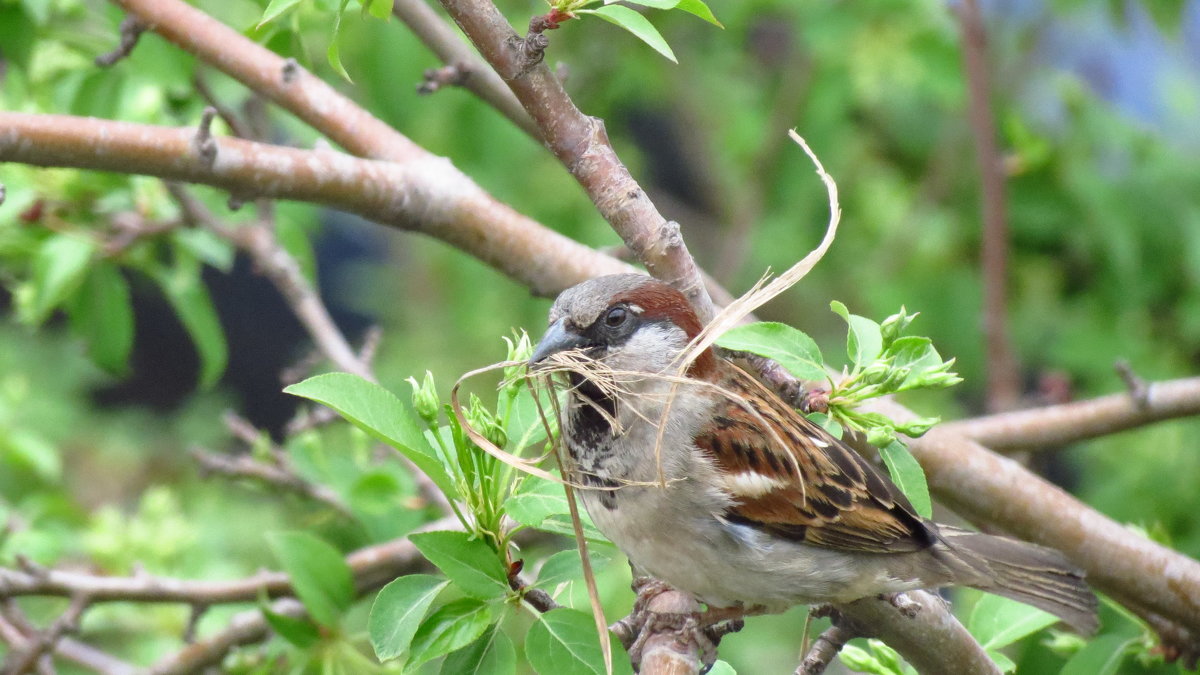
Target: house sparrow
712	484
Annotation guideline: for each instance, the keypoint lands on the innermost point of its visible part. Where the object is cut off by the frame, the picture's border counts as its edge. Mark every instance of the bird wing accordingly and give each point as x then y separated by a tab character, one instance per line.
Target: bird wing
791	478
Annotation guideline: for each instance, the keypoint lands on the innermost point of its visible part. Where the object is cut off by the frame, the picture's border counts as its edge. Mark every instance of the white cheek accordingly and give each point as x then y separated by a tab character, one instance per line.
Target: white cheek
651	348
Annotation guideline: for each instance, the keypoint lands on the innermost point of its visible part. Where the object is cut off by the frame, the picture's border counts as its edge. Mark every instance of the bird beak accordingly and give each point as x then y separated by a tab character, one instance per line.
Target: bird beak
558	338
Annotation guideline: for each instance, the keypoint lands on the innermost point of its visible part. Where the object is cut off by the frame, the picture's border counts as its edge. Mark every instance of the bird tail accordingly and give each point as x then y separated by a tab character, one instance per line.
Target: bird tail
1028	573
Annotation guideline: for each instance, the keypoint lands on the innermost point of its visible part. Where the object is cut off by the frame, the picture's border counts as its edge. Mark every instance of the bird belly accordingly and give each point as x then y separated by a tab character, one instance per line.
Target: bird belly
725	564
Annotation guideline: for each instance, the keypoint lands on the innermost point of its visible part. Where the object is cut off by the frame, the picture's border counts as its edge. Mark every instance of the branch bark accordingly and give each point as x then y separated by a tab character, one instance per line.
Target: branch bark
426	195
463	214
372	567
924	632
1058	425
1003	374
994	491
581	143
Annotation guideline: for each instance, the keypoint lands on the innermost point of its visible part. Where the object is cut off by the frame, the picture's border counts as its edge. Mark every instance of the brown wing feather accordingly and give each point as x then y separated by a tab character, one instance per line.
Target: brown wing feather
798	482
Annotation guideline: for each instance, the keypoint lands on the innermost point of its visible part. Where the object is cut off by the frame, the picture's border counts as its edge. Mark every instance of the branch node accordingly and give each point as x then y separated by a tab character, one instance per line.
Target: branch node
907	607
291	70
1139	390
131	29
31	568
235	202
451	75
197	613
532	47
206	145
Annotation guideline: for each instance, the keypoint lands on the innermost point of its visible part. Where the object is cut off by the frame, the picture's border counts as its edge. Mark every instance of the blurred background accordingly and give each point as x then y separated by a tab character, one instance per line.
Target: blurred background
1097	109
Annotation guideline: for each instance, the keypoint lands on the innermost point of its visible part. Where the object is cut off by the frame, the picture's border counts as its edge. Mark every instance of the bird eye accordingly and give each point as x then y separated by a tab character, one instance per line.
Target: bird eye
616	316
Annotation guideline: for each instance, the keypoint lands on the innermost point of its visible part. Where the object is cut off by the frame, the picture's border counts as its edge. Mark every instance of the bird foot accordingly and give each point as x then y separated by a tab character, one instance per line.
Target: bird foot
663	614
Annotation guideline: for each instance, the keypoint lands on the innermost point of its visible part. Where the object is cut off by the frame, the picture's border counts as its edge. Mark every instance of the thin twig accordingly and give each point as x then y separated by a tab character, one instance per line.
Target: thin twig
1003	374
131	30
445	42
228	116
1138	390
582	146
449	75
824	649
244	466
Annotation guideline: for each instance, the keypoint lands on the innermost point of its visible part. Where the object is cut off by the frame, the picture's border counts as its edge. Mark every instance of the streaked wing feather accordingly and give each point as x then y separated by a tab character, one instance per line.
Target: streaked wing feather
792	479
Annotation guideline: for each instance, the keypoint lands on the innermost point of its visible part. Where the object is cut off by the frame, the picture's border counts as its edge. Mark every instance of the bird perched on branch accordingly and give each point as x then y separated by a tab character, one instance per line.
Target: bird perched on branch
711	483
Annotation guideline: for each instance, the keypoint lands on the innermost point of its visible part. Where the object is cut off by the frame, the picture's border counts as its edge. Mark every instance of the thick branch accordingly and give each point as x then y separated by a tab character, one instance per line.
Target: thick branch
924	631
1057	425
462	214
581	144
994	491
427	195
482	81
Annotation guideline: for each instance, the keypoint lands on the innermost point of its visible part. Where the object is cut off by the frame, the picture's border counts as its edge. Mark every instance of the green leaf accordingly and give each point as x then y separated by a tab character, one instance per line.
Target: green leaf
827	423
319	574
998	622
532	508
381	414
189	297
33	451
1101	656
102	314
860	660
792	349
491	654
470	563
274	10
523	425
865	341
398	611
59	266
206	246
377	499
299	631
332	54
698	8
655	4
453	626
1005	664
635	23
565	641
566	566
908	475
380	9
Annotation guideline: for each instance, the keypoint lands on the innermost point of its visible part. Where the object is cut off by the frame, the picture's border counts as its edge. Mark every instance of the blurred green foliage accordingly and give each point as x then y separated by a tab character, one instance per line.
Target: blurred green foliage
1104	209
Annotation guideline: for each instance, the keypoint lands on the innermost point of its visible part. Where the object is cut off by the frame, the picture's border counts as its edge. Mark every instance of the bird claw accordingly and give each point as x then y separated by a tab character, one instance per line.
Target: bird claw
703	630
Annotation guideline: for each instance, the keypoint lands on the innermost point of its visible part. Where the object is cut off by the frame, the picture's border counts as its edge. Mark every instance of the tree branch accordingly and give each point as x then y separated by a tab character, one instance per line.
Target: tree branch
994	491
245	628
450	207
1057	425
427	195
244	466
1003	374
581	143
372	566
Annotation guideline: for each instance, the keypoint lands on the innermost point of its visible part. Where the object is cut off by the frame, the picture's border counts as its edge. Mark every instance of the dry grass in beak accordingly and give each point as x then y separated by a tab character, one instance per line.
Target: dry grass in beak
763	292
